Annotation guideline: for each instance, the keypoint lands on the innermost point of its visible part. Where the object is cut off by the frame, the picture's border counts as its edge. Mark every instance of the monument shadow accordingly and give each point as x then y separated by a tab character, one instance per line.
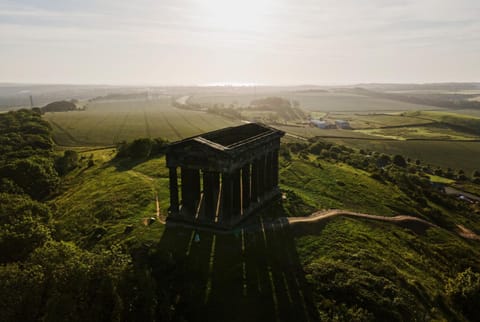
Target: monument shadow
249	274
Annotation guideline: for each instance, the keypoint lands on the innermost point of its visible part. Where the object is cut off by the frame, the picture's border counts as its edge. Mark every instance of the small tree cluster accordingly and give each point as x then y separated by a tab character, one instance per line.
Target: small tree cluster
141	148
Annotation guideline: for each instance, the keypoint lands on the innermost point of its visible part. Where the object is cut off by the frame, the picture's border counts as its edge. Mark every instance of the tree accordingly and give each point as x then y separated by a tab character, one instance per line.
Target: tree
23	226
21	289
80	285
34	175
464	292
67	162
383	160
399	161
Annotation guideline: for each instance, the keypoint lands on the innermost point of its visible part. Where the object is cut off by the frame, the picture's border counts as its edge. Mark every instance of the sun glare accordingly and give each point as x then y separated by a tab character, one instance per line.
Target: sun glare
230	15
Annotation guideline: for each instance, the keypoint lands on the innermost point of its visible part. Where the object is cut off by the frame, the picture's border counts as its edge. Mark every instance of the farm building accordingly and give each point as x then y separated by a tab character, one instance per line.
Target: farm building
319	123
226	175
341	124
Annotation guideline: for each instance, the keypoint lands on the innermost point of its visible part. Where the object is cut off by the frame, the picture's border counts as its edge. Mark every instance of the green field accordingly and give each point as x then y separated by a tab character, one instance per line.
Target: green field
323	101
109	122
376	120
455	154
420	132
311	131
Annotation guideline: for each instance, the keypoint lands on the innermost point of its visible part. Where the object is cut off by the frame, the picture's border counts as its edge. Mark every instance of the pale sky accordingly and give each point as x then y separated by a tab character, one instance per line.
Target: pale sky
280	42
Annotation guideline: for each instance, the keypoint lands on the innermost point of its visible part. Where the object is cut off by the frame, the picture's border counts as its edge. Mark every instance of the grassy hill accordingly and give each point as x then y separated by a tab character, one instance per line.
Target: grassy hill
337	269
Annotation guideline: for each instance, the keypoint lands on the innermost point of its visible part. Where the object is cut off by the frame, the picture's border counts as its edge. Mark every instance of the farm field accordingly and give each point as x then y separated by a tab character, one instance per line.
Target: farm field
107	122
318	101
420	132
311	131
453	154
110	122
376	120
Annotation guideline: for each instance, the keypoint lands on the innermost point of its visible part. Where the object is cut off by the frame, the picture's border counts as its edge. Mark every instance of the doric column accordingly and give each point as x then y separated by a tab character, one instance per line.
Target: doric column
268	172
187	200
210	193
236	193
192	186
227	197
173	190
275	168
261	176
254	182
246	186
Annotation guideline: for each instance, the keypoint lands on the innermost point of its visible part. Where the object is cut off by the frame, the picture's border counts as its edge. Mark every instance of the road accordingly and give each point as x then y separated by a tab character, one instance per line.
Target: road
453	191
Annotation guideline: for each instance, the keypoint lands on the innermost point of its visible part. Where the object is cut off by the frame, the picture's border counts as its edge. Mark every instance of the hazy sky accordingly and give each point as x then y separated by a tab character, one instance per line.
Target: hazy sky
243	41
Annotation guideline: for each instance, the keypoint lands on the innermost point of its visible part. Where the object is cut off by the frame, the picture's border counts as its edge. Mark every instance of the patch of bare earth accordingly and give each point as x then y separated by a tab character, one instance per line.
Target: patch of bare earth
467	233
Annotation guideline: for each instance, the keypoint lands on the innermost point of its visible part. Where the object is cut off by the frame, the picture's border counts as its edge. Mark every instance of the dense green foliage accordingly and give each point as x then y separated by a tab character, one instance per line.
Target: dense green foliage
60	281
67	162
464	292
24	226
23	134
141	148
59	106
26	161
41	277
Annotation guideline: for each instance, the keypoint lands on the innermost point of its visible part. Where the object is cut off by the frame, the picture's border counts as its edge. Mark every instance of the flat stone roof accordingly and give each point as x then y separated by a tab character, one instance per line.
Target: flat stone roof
224	149
232	137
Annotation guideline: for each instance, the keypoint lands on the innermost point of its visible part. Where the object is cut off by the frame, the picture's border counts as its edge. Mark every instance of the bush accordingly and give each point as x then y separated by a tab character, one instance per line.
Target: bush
67	162
35	175
23	226
141	148
399	161
464	292
383	160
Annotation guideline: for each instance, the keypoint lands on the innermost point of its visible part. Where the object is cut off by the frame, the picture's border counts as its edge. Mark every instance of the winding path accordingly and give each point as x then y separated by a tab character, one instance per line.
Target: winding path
320	215
413	223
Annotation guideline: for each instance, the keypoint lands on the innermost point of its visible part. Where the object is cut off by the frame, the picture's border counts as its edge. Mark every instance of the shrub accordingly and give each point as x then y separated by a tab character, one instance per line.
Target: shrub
67	162
464	292
399	161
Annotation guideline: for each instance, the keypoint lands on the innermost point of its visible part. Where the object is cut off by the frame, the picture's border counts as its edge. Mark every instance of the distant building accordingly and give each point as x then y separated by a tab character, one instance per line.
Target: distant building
342	124
320	124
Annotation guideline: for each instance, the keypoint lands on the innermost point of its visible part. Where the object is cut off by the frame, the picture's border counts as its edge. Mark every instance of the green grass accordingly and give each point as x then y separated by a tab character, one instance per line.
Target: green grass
109	196
357	261
437	179
109	122
327	185
467	123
